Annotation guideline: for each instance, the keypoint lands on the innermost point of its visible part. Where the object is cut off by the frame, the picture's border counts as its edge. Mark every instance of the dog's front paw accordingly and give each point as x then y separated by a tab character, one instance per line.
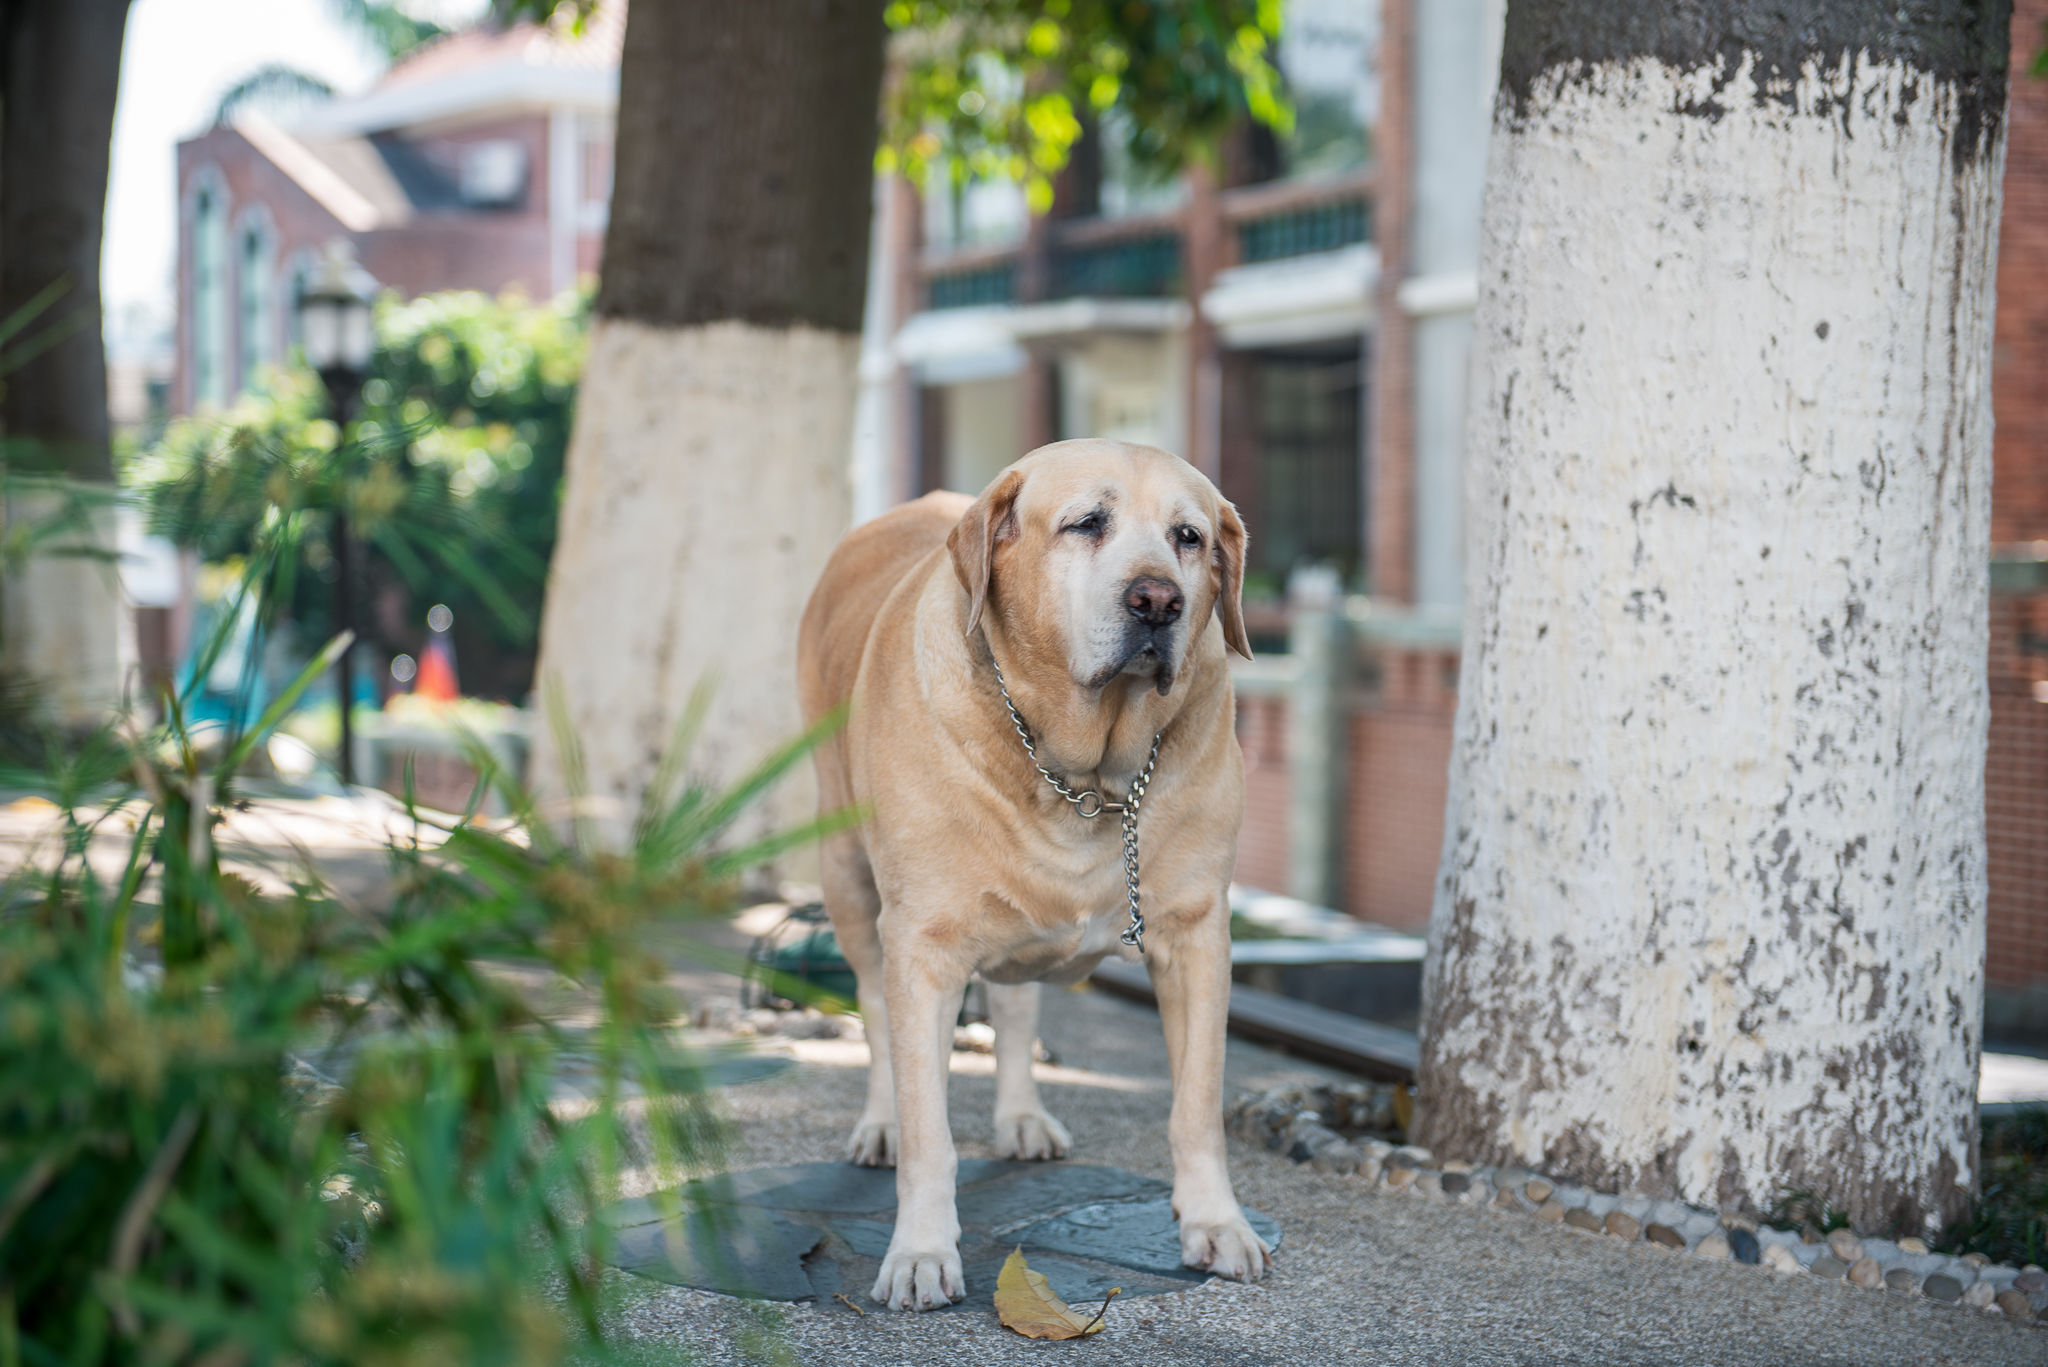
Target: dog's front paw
873	1143
1225	1246
919	1279
1030	1134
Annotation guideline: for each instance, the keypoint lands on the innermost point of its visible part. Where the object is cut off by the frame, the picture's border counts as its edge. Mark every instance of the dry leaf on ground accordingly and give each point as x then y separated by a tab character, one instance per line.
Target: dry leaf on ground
1025	1302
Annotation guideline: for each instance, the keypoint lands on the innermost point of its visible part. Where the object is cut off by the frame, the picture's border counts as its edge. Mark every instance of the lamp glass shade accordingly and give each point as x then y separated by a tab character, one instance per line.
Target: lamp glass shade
358	335
320	330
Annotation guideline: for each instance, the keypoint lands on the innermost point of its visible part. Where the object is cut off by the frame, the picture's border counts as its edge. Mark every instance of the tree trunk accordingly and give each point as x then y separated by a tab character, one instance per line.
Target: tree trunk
708	473
61	620
1710	921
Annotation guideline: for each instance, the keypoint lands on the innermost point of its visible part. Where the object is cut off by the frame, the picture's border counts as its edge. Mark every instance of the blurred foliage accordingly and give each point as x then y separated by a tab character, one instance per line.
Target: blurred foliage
986	89
450	480
390	25
2010	1222
254	1125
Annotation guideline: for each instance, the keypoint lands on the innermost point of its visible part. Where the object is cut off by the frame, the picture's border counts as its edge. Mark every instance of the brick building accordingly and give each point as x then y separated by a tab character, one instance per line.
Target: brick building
2016	769
482	161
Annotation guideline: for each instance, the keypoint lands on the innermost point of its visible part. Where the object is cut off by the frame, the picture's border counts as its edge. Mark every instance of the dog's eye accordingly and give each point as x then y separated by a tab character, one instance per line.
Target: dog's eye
1187	537
1087	526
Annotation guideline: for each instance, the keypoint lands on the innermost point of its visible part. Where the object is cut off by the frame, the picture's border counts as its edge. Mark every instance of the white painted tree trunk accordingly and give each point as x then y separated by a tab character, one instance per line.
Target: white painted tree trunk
1710	920
707	482
64	627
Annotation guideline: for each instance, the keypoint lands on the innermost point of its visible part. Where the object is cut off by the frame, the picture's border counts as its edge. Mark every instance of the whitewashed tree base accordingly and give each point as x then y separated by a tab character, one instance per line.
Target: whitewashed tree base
1710	922
64	627
707	483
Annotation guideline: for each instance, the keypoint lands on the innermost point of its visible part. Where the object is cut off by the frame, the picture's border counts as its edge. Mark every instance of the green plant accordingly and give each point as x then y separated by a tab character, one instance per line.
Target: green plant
451	481
1000	88
2010	1221
179	1182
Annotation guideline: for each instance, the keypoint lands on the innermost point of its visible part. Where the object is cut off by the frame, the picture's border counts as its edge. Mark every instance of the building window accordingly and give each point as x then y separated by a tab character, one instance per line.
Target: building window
209	296
1311	478
256	321
1328	56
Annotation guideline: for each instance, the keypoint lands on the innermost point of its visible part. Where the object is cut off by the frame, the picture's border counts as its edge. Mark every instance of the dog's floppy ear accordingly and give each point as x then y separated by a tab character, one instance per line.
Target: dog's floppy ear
1230	541
973	539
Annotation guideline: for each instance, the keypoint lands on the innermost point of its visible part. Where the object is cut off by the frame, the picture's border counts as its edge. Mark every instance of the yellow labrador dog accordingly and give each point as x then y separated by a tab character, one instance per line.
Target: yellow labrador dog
1084	601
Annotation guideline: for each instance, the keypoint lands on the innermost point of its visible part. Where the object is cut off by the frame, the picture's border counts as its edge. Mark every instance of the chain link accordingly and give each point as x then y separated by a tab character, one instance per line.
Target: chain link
1134	933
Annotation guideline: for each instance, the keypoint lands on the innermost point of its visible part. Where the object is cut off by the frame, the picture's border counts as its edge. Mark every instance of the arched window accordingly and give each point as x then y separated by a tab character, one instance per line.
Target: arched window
256	320
210	294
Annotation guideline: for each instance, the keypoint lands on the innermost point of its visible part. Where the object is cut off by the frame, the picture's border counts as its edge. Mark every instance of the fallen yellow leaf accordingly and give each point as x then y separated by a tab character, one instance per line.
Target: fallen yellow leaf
1404	1109
1025	1302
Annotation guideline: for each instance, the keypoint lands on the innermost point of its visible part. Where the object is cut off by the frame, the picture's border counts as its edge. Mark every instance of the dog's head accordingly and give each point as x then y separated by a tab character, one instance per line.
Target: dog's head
1112	556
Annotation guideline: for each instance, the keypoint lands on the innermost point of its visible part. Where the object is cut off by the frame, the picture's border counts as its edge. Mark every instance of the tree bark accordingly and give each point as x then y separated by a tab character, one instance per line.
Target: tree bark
61	619
1710	919
707	479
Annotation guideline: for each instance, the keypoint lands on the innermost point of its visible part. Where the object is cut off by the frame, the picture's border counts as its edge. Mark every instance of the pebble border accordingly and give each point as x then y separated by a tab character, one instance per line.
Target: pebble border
1307	1124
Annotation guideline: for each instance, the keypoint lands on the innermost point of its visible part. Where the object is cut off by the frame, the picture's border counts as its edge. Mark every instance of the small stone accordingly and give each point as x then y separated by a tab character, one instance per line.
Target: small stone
1401	1158
1668	1213
1586	1219
1375	1150
1599	1202
1829	1266
1637	1206
1865	1272
1479	1193
2031	1281
1457	1165
1537	1190
1917	1247
1979	1294
1455	1182
1507	1198
1421	1155
1810	1233
2015	1304
1339	1157
1665	1235
1942	1287
1736	1219
1551	1211
1901	1281
1429	1182
1713	1246
1401	1178
1780	1259
1845	1245
1301	1152
1743	1245
1623	1225
1976	1260
1512	1177
1371	1169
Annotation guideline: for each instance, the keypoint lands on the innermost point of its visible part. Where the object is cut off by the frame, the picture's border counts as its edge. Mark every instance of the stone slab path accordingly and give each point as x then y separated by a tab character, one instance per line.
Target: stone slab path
1363	1277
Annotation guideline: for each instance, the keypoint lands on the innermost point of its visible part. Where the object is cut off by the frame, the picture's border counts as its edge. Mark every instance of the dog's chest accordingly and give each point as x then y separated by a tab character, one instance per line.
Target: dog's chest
1076	904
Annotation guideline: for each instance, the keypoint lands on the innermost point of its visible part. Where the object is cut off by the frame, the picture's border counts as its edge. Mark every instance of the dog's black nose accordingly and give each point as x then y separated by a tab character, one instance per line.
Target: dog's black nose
1153	601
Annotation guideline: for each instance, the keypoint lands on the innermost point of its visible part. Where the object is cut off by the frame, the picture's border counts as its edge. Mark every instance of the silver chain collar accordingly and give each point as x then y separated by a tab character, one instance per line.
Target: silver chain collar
1134	933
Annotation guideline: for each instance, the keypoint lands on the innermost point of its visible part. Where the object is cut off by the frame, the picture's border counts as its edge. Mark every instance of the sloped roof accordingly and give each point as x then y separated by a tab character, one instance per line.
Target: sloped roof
347	176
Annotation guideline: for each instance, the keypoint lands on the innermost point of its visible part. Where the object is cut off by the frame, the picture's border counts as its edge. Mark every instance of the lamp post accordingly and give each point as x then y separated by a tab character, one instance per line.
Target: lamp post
336	338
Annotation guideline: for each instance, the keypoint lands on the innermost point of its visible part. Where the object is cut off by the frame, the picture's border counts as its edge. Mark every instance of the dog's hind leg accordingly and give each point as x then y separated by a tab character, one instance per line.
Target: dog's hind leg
1023	1128
854	906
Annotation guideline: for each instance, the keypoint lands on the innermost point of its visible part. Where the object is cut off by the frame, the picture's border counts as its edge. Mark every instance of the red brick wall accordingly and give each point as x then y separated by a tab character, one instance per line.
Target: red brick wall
1394	807
1394	815
1262	856
2016	793
2019	369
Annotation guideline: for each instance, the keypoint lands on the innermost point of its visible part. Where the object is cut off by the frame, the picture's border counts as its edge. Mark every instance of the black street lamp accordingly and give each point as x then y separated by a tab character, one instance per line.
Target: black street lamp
336	337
